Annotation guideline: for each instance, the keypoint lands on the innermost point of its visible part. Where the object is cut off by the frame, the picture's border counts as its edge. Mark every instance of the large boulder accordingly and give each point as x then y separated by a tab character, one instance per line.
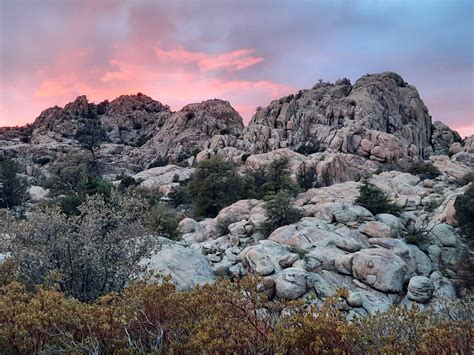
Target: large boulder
291	283
379	268
164	175
420	289
186	267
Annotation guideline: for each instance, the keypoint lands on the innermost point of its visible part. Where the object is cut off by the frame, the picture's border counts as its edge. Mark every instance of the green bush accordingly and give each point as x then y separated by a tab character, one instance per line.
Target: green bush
307	177
467	178
309	147
424	170
13	187
162	221
215	185
464	206
375	200
280	213
276	177
91	134
72	183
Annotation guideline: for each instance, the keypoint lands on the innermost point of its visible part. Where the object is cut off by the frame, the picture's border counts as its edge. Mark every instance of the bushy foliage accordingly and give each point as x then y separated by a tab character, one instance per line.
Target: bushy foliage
215	185
159	161
375	200
309	147
91	134
307	177
424	170
276	177
464	206
467	178
93	253
226	317
279	212
162	221
72	182
13	187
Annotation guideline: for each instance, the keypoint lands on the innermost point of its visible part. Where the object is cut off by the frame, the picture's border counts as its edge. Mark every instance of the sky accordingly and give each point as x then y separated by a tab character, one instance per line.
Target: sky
246	52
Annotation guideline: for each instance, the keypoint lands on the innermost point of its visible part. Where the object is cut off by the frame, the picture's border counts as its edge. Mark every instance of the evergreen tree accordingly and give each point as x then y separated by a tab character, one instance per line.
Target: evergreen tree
375	200
13	187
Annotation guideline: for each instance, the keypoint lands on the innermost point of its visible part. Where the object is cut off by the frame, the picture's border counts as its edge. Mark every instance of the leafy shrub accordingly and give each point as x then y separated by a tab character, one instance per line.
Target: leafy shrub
73	182
91	134
276	177
225	317
13	187
280	213
309	147
127	182
467	178
159	161
215	185
375	200
424	170
307	177
162	221
464	206
93	253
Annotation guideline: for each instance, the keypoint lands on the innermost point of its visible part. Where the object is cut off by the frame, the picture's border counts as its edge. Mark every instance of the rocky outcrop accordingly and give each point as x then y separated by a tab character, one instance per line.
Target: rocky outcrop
186	132
186	267
129	120
380	117
443	137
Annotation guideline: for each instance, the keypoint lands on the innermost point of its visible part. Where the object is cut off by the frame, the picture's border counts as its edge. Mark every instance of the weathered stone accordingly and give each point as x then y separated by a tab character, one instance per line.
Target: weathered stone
420	289
291	283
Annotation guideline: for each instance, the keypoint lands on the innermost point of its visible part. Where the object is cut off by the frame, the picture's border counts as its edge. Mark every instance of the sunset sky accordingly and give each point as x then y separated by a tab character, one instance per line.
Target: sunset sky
246	52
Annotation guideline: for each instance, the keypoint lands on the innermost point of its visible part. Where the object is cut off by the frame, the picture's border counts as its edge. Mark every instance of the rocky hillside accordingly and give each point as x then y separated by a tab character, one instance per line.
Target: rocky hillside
379	125
380	117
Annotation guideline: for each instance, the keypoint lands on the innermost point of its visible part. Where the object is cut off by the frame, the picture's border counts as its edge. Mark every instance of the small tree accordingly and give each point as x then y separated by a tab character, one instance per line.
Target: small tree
375	200
13	187
91	134
278	177
307	177
92	254
424	170
162	221
73	182
215	185
280	212
464	206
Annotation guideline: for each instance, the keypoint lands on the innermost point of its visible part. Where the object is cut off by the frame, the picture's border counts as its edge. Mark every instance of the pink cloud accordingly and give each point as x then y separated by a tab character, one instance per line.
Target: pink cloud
235	60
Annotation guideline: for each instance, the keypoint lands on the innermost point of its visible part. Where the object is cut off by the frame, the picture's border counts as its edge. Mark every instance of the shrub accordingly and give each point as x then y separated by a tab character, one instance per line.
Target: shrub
215	185
424	170
93	253
307	177
309	147
13	187
326	178
91	134
159	161
275	178
464	206
73	182
127	182
375	200
162	221
225	317
280	213
467	178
